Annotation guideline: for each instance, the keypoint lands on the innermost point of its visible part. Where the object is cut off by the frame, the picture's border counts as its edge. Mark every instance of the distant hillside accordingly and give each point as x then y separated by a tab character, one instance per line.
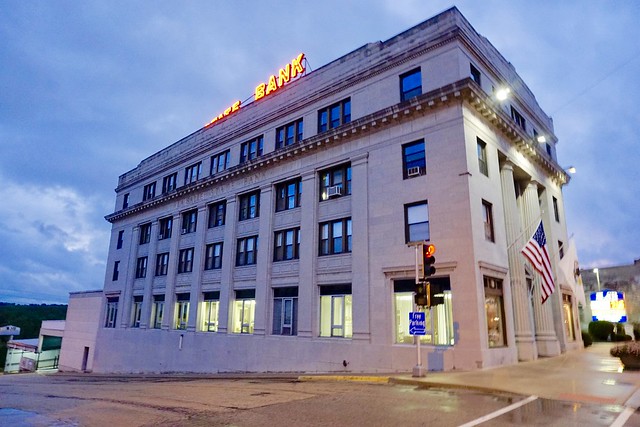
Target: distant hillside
28	318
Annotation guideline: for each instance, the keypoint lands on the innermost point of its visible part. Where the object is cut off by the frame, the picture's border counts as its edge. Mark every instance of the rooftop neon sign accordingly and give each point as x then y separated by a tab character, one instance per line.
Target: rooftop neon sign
286	74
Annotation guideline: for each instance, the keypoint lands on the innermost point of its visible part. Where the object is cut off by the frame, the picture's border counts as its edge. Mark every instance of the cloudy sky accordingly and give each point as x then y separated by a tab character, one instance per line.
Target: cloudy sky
90	88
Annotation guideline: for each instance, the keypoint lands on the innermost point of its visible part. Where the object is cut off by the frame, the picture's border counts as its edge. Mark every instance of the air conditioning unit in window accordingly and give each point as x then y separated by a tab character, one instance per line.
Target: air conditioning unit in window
334	191
413	171
160	236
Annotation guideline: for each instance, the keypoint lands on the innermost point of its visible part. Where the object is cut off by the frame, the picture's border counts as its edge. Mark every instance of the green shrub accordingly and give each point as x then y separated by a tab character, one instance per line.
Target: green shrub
586	339
601	330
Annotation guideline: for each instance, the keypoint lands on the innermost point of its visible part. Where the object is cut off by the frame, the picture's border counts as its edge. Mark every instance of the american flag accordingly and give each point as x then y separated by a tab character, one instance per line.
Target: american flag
536	252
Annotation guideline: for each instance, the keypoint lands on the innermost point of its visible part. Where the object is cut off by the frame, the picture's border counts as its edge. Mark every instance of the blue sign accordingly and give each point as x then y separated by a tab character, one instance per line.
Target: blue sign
417	323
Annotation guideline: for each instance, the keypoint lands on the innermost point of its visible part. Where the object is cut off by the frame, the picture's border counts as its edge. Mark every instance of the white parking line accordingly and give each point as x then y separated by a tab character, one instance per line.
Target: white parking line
623	417
500	412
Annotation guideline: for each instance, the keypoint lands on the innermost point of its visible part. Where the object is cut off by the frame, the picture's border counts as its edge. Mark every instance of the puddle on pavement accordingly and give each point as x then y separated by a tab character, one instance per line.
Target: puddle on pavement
11	416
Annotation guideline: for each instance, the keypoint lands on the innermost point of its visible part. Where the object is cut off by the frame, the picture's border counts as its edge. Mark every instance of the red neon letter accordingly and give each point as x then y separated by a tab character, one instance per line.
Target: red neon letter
296	65
260	91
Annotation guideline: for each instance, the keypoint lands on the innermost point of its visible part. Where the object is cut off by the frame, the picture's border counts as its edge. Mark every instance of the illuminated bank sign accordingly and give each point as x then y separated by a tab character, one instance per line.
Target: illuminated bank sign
286	74
609	306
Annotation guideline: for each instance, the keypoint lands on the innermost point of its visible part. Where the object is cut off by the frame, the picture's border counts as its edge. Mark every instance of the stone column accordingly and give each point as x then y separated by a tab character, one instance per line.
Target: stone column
546	339
307	285
127	294
147	299
169	295
198	264
360	285
525	341
263	260
228	265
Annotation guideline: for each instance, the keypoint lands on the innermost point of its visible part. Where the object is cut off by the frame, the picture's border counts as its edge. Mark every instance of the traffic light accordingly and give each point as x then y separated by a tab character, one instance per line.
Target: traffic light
428	260
436	294
420	297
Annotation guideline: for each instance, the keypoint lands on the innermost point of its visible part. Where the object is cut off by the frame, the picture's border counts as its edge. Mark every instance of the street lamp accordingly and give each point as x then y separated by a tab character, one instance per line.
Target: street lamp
597	272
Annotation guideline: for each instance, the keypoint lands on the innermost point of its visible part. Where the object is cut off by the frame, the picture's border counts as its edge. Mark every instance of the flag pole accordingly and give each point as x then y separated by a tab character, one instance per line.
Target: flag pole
525	230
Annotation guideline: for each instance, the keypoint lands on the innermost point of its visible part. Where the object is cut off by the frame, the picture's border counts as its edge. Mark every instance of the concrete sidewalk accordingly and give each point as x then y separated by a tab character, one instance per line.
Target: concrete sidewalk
590	375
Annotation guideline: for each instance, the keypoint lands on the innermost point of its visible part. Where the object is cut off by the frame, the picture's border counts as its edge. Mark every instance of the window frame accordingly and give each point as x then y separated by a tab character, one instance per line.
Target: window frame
141	267
496	294
136	311
285	199
251	149
210	311
289	134
181	311
111	312
157	311
116	271
282	296
245	257
328	179
249	205
169	183
165	226
145	233
483	164
192	173
407	93
213	261
149	191
189	221
120	240
408	225
488	222
280	250
217	214
162	264
475	74
328	240
220	162
411	160
518	118
335	295
185	260
326	119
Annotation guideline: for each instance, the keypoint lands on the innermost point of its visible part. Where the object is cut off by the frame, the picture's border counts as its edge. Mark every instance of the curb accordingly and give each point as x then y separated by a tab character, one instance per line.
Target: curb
347	378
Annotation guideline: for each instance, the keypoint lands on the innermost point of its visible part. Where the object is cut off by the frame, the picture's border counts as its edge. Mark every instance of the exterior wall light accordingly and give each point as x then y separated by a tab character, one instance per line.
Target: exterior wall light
502	93
541	139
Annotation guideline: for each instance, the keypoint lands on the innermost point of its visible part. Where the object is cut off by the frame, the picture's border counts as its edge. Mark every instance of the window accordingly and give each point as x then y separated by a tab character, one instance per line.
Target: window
247	251
410	84
335	311
189	220
517	117
181	314
136	311
116	272
334	115
141	267
289	134
145	233
169	183
149	191
210	306
556	211
560	249
567	317
414	162
162	264
335	237
185	260
487	220
286	244
125	201
249	206
251	149
111	312
213	256
288	195
439	319
243	311
494	309
220	162
120	239
157	311
335	182
165	227
475	74
482	157
192	173
216	213
417	222
285	311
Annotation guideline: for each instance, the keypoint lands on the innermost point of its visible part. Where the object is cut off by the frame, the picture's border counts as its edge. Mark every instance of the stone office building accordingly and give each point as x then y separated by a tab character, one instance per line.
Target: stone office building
278	237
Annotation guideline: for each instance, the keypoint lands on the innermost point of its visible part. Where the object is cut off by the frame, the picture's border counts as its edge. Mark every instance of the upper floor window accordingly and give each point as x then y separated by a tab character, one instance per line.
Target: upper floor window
475	74
413	159
189	220
335	237
169	183
556	210
149	191
288	195
165	225
482	157
487	220
518	118
251	149
125	201
410	84
334	115
162	264
116	270
416	222
120	239
192	173
335	182
220	162
185	260
286	244
141	267
246	253
249	205
289	134
217	213
145	233
213	256
111	312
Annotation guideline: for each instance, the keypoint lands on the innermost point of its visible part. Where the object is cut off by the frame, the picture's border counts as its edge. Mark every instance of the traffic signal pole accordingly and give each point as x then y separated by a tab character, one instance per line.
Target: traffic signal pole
418	370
